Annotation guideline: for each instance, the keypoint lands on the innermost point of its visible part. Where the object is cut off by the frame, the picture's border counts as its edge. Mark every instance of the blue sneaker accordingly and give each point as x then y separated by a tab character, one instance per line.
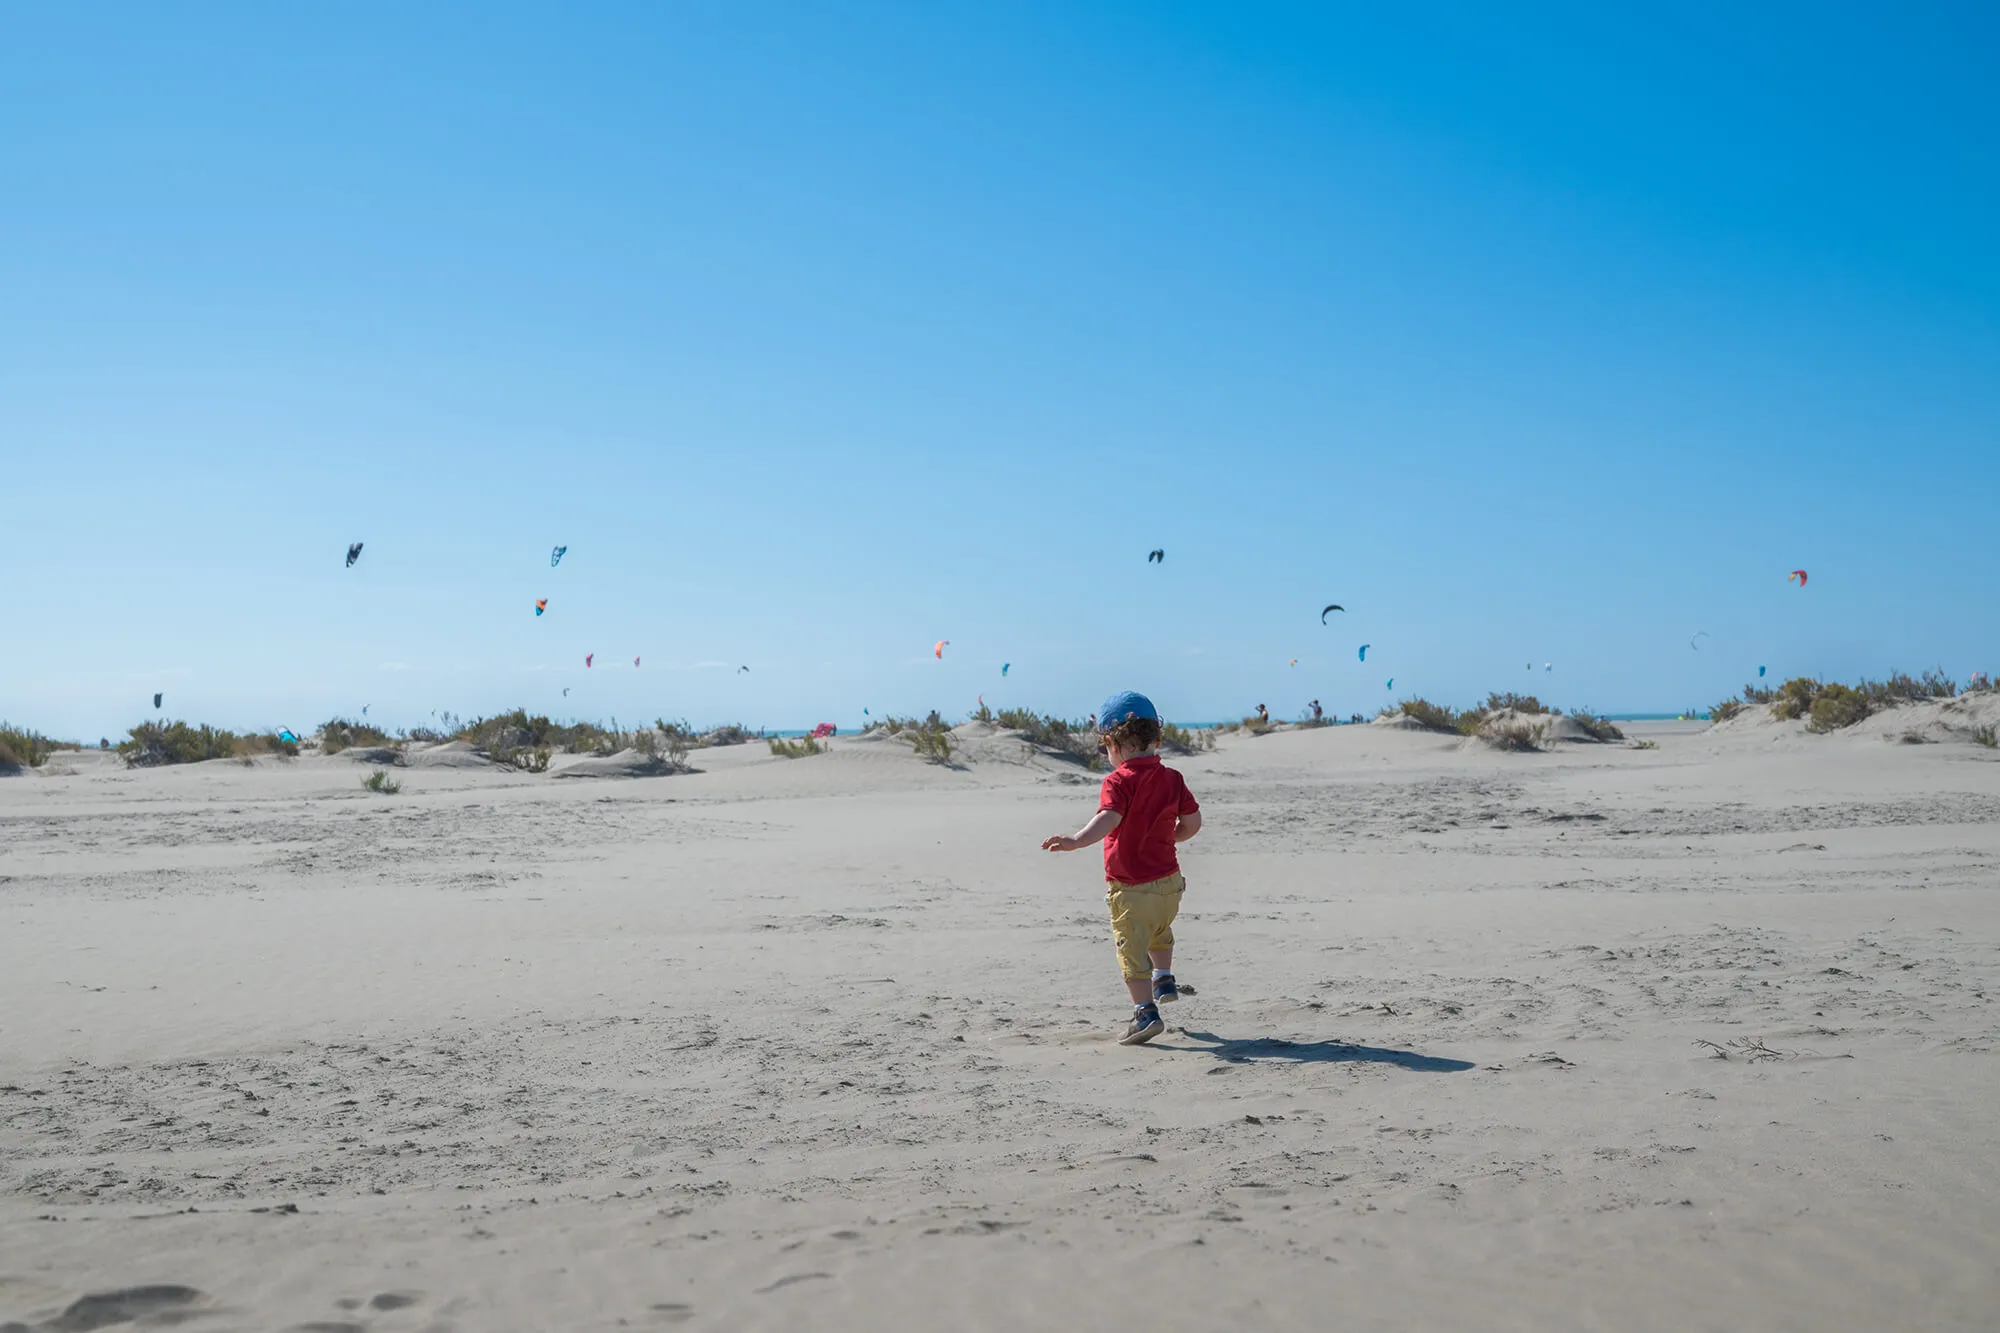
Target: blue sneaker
1164	989
1145	1026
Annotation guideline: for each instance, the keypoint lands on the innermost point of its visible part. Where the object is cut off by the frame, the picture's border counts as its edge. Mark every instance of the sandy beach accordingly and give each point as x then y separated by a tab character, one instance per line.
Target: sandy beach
1694	1037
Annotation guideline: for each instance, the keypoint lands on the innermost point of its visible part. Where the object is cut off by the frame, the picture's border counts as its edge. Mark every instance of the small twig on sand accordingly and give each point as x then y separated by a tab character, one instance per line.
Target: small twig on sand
1749	1048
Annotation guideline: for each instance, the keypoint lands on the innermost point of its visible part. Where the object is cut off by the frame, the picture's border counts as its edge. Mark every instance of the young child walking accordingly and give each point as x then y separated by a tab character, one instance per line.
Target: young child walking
1143	811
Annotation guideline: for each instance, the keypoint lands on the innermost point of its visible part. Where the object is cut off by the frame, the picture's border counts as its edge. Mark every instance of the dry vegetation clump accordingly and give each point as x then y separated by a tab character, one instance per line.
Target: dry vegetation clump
667	743
381	783
1599	727
1519	703
1512	733
1255	725
803	747
21	748
343	733
733	734
1985	736
1725	710
1903	688
1179	740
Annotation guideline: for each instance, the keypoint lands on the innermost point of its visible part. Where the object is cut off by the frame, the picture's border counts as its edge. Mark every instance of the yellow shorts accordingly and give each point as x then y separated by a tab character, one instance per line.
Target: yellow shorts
1142	920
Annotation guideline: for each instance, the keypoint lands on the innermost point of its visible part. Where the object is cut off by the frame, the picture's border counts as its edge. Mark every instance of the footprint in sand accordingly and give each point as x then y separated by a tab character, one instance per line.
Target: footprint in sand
394	1300
672	1312
102	1309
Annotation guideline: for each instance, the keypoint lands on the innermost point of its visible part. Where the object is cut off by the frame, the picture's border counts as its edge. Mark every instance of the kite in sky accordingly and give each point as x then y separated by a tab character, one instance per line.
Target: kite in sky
1156	557
635	661
938	651
1295	661
156	701
353	554
1391	685
541	605
1760	673
1364	651
555	556
740	670
1698	634
1798	574
587	657
1004	667
1334	607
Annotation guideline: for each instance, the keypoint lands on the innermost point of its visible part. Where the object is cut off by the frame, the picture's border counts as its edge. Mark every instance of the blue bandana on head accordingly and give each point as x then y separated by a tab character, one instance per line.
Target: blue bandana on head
1122	705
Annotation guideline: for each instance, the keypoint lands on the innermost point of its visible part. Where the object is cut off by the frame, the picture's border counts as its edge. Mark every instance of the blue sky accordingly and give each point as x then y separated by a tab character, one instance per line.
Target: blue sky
819	333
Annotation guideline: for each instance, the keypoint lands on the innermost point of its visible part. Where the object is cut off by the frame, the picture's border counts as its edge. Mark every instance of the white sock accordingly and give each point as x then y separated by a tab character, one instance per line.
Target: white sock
1159	972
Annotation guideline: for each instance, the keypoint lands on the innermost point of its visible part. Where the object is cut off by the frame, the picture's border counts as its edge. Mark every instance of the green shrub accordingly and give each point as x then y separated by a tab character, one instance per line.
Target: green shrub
1837	706
933	743
796	749
1984	736
152	744
1066	740
21	748
1436	717
1179	740
1795	698
984	714
1759	694
1727	709
380	781
341	733
519	730
729	735
1520	703
1598	727
1255	725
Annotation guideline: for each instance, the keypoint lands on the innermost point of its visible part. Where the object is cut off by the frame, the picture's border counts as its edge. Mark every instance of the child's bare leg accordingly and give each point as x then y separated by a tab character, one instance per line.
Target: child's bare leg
1140	991
1163	959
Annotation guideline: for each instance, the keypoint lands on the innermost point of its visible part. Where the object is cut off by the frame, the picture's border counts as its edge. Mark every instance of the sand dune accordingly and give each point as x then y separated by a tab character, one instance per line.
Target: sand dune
826	1042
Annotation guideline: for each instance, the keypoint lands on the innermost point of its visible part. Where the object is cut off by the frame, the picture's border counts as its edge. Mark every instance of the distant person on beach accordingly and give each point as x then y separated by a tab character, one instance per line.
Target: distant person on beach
1316	712
1144	810
1263	713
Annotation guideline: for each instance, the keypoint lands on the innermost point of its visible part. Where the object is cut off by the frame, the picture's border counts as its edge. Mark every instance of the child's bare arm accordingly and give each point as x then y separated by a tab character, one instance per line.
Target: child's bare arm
1100	824
1189	825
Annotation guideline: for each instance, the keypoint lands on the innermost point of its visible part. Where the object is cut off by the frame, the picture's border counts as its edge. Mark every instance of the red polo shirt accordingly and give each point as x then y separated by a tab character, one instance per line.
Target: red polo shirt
1150	798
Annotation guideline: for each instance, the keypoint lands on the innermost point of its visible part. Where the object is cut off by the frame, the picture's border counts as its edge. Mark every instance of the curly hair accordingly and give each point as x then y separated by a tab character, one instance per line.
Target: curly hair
1134	733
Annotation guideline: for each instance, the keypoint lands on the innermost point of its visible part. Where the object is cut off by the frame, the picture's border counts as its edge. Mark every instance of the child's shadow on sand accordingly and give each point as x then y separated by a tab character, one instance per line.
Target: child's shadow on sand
1237	1051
